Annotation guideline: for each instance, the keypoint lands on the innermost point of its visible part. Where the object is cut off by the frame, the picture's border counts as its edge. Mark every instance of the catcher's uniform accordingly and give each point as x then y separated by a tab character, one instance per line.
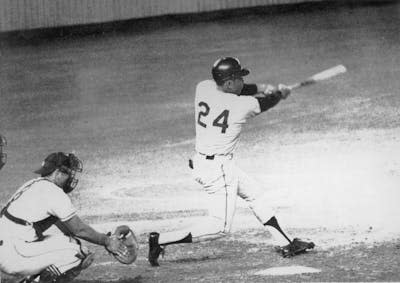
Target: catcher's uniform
219	120
24	250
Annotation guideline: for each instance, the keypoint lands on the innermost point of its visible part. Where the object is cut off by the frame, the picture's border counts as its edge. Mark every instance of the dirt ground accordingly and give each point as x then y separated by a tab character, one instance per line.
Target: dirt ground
122	100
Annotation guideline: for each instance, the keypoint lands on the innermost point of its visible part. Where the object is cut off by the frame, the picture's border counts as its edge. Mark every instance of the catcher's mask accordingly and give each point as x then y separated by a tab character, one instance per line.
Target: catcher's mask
66	163
3	156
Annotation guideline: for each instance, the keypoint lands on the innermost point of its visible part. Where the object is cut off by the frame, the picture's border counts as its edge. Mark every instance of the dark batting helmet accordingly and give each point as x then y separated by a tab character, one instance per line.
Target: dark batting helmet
227	68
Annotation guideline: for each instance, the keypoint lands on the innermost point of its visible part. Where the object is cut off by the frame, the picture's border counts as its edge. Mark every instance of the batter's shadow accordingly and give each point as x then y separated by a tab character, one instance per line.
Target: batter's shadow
137	279
197	259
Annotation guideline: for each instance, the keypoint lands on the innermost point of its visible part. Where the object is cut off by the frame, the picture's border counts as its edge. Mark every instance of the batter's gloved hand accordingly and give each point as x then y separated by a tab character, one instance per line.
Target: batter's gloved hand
284	90
270	89
123	245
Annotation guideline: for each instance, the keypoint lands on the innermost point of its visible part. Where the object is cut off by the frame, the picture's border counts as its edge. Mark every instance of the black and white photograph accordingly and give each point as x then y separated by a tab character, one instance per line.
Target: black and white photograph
199	141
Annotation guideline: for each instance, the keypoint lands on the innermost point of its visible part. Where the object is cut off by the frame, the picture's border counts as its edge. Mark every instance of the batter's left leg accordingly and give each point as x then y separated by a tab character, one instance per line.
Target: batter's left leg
252	192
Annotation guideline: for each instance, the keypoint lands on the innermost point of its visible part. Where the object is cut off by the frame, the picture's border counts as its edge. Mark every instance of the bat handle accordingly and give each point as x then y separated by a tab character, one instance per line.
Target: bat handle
294	86
306	82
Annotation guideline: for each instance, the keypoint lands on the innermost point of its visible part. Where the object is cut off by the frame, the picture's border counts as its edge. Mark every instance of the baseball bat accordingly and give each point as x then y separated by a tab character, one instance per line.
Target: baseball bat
321	76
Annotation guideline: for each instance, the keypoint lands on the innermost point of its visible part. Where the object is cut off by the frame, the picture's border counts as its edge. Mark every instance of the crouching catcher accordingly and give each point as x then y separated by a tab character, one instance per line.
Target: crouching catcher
25	247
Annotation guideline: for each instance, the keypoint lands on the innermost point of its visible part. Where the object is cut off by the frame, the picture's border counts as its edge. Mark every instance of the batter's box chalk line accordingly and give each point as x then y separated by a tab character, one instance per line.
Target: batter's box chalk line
287	270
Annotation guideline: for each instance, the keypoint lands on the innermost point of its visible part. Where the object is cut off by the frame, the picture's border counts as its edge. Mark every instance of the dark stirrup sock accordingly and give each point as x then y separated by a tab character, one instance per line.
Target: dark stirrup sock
187	239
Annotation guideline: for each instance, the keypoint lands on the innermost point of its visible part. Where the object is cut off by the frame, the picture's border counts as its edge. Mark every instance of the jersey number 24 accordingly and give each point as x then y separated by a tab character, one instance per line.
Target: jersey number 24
221	120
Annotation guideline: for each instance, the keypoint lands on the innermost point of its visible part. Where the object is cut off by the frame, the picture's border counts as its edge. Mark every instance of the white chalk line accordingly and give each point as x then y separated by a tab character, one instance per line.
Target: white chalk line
287	270
181	143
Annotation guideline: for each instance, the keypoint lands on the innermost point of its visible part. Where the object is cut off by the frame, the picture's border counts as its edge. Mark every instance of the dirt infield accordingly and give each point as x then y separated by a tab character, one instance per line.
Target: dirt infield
123	102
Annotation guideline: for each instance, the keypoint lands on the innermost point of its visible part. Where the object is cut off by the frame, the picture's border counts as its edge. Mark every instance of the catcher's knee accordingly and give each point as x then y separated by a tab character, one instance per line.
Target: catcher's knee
86	257
83	253
86	261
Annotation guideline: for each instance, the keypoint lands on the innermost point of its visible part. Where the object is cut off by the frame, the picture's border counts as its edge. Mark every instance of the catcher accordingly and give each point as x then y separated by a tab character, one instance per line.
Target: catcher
26	250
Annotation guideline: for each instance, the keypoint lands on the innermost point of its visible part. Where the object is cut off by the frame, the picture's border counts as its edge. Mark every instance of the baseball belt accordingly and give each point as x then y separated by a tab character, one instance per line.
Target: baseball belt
36	225
210	157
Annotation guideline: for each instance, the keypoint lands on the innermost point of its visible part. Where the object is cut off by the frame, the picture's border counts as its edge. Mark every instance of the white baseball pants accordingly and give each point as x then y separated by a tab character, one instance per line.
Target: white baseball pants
224	182
58	252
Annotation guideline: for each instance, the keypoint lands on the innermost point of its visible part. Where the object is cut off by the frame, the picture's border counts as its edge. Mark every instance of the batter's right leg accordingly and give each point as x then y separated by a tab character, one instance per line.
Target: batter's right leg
210	228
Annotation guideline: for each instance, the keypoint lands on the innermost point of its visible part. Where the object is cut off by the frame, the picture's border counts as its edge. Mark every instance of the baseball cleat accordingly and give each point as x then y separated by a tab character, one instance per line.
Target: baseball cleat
294	248
154	249
30	279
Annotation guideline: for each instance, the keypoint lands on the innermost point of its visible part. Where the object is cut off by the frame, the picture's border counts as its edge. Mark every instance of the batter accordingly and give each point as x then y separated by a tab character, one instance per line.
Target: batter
222	106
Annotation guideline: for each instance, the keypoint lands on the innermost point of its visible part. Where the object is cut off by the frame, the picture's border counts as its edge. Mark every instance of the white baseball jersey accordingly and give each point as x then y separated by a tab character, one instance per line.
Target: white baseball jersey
219	120
220	117
21	252
34	201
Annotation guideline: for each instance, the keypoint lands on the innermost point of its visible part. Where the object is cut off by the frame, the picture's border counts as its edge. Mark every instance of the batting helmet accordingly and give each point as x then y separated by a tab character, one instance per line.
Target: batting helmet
227	68
3	156
66	163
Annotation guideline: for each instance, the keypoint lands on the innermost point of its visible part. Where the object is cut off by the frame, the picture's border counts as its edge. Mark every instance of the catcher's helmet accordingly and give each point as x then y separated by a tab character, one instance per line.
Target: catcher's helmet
66	163
3	156
227	68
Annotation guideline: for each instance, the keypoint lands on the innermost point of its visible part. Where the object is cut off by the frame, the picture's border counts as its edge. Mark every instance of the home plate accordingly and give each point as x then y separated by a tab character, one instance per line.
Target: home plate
287	270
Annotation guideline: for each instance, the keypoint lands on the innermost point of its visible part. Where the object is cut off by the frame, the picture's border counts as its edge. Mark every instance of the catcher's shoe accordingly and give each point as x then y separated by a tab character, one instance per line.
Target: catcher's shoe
154	249
48	275
295	247
30	279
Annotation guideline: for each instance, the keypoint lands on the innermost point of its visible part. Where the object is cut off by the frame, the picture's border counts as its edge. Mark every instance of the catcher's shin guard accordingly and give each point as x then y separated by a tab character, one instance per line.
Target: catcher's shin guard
154	249
49	275
295	247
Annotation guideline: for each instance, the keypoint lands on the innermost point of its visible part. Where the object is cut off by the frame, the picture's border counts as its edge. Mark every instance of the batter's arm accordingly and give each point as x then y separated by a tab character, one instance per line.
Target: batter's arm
269	100
272	95
256	89
249	89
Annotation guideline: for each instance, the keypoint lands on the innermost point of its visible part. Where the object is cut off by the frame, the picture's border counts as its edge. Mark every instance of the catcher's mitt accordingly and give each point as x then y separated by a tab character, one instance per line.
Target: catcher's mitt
123	245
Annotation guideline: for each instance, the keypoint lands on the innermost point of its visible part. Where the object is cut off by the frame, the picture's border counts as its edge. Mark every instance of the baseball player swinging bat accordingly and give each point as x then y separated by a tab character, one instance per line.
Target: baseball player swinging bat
324	75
